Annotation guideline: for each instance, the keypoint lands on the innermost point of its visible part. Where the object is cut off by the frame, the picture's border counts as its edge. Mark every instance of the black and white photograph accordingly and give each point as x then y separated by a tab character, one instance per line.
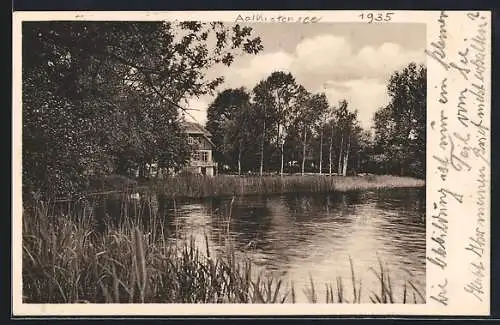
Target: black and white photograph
223	162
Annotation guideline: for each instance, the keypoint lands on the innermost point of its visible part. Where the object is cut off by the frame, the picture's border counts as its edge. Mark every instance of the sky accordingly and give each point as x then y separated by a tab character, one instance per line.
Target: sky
351	61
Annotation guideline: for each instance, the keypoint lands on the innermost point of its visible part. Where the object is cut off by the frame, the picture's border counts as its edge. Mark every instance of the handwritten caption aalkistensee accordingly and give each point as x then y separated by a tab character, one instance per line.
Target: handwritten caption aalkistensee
264	18
462	128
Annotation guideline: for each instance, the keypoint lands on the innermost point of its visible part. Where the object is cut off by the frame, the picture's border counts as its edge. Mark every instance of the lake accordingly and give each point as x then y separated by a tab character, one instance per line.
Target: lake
304	236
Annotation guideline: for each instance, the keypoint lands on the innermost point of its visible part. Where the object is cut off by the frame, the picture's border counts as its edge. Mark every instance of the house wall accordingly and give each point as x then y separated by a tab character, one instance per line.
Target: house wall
197	156
209	170
200	142
201	146
202	157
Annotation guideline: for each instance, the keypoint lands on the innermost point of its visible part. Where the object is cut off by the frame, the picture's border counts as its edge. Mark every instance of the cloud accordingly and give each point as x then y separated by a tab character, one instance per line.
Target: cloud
324	57
384	60
331	64
258	68
321	53
332	56
364	95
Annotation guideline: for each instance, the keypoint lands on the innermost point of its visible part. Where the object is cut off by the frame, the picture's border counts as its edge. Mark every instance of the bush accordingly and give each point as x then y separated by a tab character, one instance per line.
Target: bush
113	182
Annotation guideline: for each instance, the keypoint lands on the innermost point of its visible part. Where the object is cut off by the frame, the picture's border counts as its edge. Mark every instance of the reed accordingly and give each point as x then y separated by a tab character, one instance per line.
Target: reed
65	260
197	186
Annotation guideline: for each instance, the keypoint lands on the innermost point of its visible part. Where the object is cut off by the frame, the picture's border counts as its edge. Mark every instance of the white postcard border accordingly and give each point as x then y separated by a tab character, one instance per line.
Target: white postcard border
461	217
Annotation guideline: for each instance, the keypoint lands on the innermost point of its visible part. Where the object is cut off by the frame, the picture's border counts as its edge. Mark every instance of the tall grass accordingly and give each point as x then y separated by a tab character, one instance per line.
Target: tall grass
65	260
197	186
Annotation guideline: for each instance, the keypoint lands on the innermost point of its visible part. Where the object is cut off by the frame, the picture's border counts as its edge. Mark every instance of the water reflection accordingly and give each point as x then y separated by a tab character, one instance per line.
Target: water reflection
303	235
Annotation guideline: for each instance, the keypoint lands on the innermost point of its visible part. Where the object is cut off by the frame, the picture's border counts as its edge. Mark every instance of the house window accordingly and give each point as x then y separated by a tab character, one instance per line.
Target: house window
196	155
191	140
204	156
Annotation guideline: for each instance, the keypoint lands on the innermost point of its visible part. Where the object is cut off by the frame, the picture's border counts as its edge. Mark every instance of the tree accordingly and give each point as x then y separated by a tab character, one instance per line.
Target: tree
331	127
363	148
311	118
277	94
305	115
319	127
400	126
86	84
346	122
238	138
385	149
266	114
321	131
225	117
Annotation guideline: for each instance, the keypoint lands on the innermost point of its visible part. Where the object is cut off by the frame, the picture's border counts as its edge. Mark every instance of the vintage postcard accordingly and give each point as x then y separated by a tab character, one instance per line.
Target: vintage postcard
251	163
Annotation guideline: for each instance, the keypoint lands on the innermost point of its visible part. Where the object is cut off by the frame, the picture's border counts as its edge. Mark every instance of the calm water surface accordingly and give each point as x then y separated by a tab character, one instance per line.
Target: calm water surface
308	235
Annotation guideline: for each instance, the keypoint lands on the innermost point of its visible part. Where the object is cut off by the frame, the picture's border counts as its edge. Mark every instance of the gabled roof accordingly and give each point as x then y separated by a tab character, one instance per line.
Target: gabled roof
195	128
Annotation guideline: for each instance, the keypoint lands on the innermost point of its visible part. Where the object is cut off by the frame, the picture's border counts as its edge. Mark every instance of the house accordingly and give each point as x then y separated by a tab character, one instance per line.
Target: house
201	144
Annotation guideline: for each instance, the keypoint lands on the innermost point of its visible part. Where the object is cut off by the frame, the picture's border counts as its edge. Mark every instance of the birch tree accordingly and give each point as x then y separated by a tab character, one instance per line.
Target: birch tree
346	124
306	114
277	93
322	122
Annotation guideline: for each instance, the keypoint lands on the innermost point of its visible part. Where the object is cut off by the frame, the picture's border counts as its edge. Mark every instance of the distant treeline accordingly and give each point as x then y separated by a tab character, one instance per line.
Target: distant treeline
279	126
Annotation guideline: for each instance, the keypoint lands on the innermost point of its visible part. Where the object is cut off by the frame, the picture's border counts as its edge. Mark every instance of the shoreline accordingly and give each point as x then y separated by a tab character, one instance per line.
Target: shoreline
200	187
227	196
196	187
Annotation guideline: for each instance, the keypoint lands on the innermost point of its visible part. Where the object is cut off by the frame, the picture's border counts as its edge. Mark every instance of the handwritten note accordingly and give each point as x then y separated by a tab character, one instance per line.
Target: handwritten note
266	18
459	165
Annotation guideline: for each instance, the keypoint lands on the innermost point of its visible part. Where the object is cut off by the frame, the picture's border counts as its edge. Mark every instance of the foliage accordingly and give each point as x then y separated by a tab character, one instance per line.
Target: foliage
346	133
283	120
309	109
264	131
276	99
225	117
102	97
400	126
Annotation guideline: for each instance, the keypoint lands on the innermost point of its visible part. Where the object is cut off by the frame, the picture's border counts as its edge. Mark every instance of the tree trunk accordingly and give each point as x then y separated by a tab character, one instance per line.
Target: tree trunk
262	150
239	161
142	170
278	139
121	168
330	161
341	154
282	157
321	153
358	165
330	153
304	152
346	158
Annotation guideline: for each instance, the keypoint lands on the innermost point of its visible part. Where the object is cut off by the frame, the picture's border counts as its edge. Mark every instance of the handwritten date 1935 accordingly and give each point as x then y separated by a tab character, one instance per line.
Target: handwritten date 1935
376	17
